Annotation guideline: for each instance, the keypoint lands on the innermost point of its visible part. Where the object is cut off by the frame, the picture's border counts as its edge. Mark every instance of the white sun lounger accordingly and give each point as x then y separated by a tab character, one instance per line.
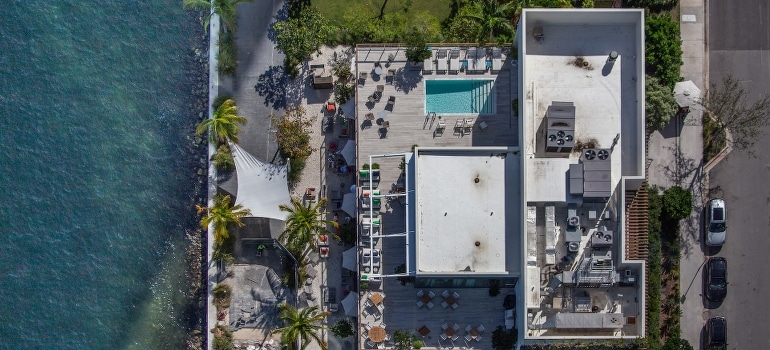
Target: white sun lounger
481	60
497	62
470	56
454	61
441	61
427	65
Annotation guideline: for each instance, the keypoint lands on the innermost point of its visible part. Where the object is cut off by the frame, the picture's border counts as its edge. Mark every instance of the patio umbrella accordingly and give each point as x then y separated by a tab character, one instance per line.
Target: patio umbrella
350	304
349	204
686	94
349	152
353	189
349	259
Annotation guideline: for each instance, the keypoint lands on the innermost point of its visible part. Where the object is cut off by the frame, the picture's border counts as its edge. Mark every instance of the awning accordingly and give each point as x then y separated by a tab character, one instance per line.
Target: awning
349	259
686	94
350	304
349	204
262	187
349	152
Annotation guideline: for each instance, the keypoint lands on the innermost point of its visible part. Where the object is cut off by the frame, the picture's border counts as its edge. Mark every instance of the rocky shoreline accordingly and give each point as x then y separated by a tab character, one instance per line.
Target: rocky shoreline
196	66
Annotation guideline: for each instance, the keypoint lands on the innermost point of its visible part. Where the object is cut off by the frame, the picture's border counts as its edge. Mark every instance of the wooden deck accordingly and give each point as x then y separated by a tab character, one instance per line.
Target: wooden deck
407	126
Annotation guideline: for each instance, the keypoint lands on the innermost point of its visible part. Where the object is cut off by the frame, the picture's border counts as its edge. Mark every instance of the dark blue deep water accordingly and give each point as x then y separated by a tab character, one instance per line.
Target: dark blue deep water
98	173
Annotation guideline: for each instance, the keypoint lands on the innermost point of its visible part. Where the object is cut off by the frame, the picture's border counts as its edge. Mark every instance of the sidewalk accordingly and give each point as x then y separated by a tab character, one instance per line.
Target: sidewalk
676	155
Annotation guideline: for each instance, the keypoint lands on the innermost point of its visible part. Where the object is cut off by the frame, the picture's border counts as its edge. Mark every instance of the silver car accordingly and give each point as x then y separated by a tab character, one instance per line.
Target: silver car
716	229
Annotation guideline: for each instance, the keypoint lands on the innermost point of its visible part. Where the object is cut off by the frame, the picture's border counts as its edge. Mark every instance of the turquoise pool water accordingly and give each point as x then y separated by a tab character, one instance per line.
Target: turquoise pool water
469	96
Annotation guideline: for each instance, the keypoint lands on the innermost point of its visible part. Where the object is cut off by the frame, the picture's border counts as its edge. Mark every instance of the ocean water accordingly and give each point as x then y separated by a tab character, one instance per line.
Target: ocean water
98	182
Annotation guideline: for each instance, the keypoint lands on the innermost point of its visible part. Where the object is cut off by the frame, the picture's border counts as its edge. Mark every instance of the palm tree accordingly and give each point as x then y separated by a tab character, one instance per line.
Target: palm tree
302	326
221	214
303	224
224	124
493	17
224	8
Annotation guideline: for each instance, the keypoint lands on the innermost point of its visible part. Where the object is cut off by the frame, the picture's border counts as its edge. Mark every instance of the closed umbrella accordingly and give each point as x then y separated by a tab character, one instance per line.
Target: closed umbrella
349	152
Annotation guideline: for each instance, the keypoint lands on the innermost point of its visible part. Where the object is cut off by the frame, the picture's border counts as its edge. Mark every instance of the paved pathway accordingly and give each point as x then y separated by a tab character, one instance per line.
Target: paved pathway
677	159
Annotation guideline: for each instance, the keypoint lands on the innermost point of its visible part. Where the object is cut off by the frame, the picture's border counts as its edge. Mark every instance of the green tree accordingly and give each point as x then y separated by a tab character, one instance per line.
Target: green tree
504	339
299	37
224	125
402	340
304	224
677	203
729	108
223	159
221	214
462	29
302	326
660	104
224	8
343	328
493	18
663	48
652	4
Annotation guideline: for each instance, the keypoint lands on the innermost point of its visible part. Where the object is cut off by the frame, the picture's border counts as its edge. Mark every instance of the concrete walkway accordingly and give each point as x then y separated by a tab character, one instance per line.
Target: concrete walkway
676	153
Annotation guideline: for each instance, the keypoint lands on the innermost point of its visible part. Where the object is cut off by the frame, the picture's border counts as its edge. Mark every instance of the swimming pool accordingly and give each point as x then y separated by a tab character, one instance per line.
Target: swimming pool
468	96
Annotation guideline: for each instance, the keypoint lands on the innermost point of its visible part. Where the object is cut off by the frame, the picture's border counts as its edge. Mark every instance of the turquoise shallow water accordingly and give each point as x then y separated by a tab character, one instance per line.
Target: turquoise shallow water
98	183
463	96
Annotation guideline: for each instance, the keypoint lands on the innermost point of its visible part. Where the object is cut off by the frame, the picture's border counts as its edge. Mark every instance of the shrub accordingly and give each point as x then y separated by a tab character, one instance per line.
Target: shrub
660	104
418	344
227	58
296	166
504	339
343	93
343	328
298	37
222	294
654	268
223	338
677	203
223	159
652	4
664	49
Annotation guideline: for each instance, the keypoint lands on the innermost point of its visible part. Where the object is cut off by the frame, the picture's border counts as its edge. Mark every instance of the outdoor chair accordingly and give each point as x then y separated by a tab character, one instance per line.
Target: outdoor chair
380	88
420	304
372	98
479	338
444	304
444	326
392	100
455	327
309	281
455	306
445	294
368	303
370	116
468	328
454	337
367	326
420	294
456	295
381	307
387	337
443	336
430	305
362	77
382	325
468	337
431	294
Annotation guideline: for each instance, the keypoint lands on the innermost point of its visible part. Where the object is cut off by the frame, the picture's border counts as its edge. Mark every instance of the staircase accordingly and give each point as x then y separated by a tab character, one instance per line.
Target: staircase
637	226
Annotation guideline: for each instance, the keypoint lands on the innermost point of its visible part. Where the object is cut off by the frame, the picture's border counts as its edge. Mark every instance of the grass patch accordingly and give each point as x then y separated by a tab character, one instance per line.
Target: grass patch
227	59
711	149
333	9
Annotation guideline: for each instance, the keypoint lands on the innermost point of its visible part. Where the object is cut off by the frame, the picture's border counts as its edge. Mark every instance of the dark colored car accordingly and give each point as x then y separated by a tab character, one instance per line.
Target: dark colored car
716	279
716	333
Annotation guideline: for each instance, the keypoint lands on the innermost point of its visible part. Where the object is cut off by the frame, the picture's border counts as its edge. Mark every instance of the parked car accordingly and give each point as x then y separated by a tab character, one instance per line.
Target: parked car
716	229
716	333
716	279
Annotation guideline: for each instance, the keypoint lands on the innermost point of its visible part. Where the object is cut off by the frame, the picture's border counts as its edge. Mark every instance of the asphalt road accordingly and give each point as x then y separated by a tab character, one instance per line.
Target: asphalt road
739	45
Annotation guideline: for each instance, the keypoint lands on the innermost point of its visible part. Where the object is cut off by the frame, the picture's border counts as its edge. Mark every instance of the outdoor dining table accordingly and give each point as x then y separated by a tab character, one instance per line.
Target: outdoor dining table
424	331
474	333
377	334
425	298
376	298
450	300
449	331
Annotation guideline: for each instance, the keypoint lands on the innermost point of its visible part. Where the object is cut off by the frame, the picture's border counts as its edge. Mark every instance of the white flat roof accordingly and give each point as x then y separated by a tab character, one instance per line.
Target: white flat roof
454	211
598	92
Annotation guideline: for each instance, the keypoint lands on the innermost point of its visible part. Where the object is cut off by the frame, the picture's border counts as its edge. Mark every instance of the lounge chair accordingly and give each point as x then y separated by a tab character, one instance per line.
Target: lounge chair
470	57
454	61
497	59
427	65
441	61
481	60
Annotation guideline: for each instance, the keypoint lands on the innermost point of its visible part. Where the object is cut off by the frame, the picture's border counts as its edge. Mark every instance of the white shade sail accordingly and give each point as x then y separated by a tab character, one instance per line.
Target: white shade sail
350	304
349	204
686	94
262	187
349	152
349	259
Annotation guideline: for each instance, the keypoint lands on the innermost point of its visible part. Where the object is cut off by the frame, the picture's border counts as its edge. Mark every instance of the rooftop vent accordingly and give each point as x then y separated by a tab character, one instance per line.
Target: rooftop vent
597	170
560	130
